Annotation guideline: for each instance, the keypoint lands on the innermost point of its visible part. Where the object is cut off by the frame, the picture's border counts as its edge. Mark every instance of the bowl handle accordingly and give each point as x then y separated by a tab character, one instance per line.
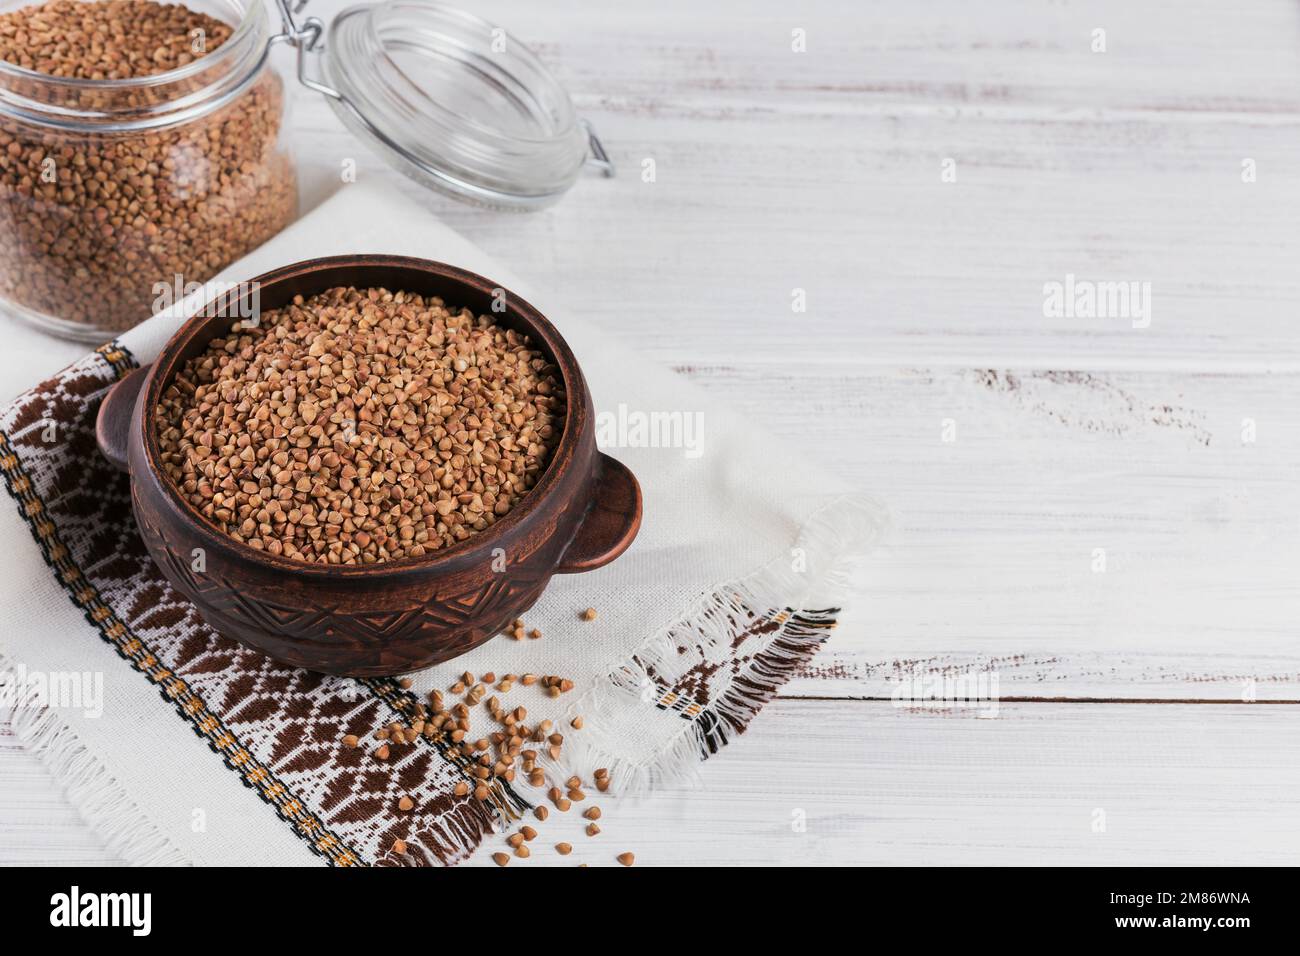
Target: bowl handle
113	424
610	524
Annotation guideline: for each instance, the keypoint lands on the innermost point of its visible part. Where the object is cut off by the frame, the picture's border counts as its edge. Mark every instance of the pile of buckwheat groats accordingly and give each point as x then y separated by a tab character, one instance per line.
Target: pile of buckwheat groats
360	426
106	40
495	755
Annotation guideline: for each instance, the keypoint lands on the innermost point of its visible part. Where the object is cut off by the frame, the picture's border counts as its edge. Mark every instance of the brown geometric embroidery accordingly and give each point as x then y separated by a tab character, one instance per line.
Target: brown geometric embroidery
277	727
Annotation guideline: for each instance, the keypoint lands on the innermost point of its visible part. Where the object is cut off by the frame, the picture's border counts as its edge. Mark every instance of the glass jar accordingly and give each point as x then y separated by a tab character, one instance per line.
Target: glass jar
115	193
111	190
455	103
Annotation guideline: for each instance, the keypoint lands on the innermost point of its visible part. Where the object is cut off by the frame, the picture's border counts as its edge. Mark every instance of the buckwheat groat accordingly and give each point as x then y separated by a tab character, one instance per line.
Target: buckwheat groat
360	426
91	220
107	39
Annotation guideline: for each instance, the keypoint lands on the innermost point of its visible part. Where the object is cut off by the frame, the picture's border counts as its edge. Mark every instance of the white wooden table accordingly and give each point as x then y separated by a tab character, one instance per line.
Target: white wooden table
1112	530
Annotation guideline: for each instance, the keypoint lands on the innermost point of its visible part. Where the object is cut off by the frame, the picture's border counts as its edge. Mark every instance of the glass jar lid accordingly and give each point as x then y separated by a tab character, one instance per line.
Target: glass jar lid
455	103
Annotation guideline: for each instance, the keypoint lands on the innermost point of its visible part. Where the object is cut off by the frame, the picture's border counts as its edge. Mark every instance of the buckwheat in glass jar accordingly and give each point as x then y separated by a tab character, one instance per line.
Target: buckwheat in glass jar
140	148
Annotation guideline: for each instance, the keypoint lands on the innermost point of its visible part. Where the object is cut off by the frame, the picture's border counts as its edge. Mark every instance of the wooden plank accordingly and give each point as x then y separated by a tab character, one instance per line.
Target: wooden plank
776	171
898	267
1084	534
38	826
866	55
878	784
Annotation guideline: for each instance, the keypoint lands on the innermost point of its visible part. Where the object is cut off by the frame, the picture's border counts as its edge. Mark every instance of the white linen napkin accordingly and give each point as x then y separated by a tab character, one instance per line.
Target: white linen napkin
734	581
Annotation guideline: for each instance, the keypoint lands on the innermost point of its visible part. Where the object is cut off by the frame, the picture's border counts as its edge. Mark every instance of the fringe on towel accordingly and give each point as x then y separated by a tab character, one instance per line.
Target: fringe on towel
454	838
91	788
460	831
801	608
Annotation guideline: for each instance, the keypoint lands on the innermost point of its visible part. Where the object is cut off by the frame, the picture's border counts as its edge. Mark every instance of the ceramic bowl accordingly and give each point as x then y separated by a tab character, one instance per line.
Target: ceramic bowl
395	617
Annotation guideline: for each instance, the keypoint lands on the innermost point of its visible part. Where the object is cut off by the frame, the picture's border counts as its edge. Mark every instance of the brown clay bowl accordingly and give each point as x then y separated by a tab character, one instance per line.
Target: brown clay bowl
375	620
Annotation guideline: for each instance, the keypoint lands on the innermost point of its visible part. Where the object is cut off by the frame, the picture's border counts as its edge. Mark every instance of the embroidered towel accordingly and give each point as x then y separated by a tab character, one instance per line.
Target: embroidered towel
196	750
